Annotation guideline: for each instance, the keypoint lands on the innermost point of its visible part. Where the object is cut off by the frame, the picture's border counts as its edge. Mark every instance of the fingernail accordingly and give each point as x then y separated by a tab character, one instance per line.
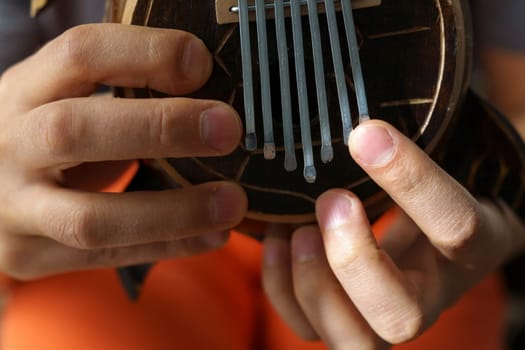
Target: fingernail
195	60
372	145
307	245
225	205
335	211
215	240
220	128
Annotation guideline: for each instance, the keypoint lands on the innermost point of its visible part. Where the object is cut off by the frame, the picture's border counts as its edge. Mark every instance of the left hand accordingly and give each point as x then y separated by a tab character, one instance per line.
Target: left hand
338	283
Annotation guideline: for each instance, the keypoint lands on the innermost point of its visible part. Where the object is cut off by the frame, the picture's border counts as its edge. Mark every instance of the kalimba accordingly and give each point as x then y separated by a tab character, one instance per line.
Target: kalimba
303	73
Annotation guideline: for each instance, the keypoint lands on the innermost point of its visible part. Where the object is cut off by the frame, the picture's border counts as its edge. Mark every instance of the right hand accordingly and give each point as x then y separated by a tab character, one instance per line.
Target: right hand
50	122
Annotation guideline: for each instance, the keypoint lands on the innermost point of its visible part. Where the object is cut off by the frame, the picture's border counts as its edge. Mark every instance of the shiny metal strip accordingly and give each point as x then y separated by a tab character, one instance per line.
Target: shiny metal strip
246	53
342	90
300	73
269	6
353	48
290	162
327	152
264	67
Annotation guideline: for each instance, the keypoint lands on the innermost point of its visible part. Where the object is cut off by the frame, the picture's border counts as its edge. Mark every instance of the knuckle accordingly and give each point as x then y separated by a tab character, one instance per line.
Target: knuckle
83	225
405	178
77	229
57	128
355	258
73	49
342	262
161	125
156	44
461	230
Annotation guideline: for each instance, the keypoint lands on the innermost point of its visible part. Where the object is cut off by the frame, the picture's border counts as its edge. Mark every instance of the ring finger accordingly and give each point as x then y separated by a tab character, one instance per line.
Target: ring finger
322	298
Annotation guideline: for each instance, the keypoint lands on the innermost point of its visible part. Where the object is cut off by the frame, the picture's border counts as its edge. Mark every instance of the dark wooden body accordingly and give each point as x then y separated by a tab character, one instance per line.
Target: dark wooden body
416	64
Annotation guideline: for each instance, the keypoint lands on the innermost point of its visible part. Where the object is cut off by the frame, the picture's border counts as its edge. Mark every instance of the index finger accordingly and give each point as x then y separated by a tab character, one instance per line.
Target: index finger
445	211
74	64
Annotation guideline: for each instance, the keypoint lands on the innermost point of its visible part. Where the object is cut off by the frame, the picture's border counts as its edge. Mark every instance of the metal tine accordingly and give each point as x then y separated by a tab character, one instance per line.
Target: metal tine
249	109
344	103
300	73
264	66
270	6
290	162
355	61
327	152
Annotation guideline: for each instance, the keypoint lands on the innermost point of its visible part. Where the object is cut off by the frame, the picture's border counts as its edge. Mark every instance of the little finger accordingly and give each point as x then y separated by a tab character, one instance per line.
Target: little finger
278	283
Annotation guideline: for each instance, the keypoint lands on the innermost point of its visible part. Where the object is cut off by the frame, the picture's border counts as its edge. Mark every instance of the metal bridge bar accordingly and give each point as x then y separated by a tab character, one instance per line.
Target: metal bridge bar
290	162
270	6
246	53
355	61
227	10
304	113
327	152
264	66
342	91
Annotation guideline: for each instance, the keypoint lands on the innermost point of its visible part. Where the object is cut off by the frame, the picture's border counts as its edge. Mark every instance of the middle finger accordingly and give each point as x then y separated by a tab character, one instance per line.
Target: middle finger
102	128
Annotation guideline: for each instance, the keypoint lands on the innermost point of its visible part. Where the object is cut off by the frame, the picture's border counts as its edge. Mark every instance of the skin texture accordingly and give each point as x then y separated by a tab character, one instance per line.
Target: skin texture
50	122
337	283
